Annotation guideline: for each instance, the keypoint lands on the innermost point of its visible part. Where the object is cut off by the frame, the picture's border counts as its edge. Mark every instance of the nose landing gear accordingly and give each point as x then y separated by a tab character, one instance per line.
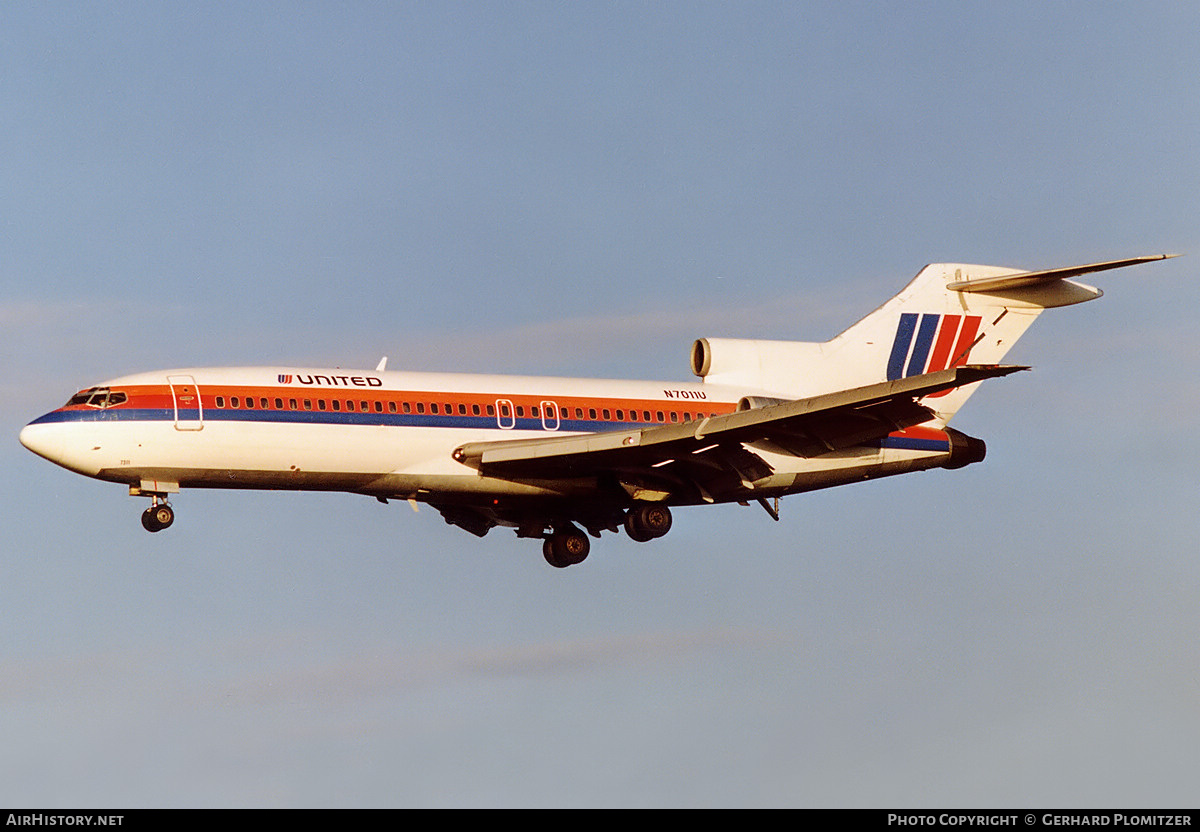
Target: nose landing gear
158	516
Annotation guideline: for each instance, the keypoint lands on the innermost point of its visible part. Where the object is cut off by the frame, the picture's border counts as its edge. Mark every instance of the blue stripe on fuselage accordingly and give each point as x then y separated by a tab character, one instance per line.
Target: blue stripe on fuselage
914	443
329	417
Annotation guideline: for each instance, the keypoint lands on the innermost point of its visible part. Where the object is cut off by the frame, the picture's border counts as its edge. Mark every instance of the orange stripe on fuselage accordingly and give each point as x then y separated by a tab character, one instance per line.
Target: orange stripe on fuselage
158	397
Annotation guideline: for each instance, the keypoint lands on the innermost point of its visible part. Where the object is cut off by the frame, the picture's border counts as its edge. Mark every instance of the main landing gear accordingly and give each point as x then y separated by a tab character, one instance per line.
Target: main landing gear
568	545
647	521
158	516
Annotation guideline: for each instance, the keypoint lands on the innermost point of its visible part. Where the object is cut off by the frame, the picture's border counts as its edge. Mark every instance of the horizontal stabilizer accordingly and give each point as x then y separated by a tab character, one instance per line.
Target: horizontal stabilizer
1021	280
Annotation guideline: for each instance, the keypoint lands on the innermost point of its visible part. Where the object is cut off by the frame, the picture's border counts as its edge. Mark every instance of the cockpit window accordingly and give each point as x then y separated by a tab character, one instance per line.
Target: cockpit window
98	397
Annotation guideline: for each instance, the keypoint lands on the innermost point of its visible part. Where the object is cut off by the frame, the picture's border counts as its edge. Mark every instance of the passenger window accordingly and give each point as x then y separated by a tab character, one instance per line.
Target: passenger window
220	401
234	401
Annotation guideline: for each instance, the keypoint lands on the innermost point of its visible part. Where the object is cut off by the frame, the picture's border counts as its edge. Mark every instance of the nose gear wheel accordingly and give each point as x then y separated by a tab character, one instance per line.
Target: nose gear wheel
158	517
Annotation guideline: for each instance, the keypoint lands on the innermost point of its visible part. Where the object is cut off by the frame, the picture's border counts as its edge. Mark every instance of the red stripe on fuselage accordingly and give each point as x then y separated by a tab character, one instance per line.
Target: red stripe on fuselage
276	398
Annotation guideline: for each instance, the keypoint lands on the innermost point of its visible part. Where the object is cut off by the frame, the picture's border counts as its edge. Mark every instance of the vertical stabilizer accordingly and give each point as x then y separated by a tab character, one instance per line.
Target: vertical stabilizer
949	315
953	314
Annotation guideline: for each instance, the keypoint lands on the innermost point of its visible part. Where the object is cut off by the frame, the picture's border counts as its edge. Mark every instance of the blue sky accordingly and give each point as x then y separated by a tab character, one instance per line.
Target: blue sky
583	189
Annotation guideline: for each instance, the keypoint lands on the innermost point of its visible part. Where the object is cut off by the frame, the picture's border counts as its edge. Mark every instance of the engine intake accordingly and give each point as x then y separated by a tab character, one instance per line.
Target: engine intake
755	402
765	365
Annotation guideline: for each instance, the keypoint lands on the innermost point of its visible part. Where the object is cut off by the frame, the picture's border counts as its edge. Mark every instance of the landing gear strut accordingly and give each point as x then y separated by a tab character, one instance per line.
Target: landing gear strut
158	516
566	546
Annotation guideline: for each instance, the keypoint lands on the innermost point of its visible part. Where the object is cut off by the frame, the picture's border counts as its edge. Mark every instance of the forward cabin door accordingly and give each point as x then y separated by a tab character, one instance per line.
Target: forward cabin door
185	396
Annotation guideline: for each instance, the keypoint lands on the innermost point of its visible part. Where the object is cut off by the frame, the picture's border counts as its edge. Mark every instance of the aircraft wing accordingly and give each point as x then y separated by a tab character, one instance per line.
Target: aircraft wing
719	451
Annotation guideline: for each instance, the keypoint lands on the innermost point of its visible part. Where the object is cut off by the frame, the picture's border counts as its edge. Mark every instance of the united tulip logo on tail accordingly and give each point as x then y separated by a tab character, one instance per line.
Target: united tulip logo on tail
928	343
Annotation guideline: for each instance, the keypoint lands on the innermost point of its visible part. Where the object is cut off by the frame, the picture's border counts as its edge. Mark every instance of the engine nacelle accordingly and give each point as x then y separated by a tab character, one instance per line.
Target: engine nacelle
755	402
717	356
768	365
964	450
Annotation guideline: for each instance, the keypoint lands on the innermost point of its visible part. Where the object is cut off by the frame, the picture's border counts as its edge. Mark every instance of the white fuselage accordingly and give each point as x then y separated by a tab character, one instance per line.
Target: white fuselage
391	434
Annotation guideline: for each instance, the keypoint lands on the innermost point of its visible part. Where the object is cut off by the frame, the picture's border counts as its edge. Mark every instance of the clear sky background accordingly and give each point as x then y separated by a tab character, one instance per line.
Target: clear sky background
583	189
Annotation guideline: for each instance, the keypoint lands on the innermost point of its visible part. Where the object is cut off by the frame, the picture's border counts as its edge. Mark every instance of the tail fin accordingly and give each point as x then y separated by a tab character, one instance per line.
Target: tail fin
952	314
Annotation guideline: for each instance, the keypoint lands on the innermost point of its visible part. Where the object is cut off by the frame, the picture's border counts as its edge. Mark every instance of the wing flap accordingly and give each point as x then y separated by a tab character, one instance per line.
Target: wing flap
835	430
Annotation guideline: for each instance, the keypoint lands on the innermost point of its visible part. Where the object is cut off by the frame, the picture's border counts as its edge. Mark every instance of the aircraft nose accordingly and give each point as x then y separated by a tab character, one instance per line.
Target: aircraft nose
33	437
59	444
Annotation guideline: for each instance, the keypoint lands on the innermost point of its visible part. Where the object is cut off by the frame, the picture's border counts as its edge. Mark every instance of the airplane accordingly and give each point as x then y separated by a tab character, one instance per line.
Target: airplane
559	459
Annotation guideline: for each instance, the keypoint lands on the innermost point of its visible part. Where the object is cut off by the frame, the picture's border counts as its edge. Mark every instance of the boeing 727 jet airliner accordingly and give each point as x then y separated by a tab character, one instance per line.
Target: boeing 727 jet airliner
558	459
